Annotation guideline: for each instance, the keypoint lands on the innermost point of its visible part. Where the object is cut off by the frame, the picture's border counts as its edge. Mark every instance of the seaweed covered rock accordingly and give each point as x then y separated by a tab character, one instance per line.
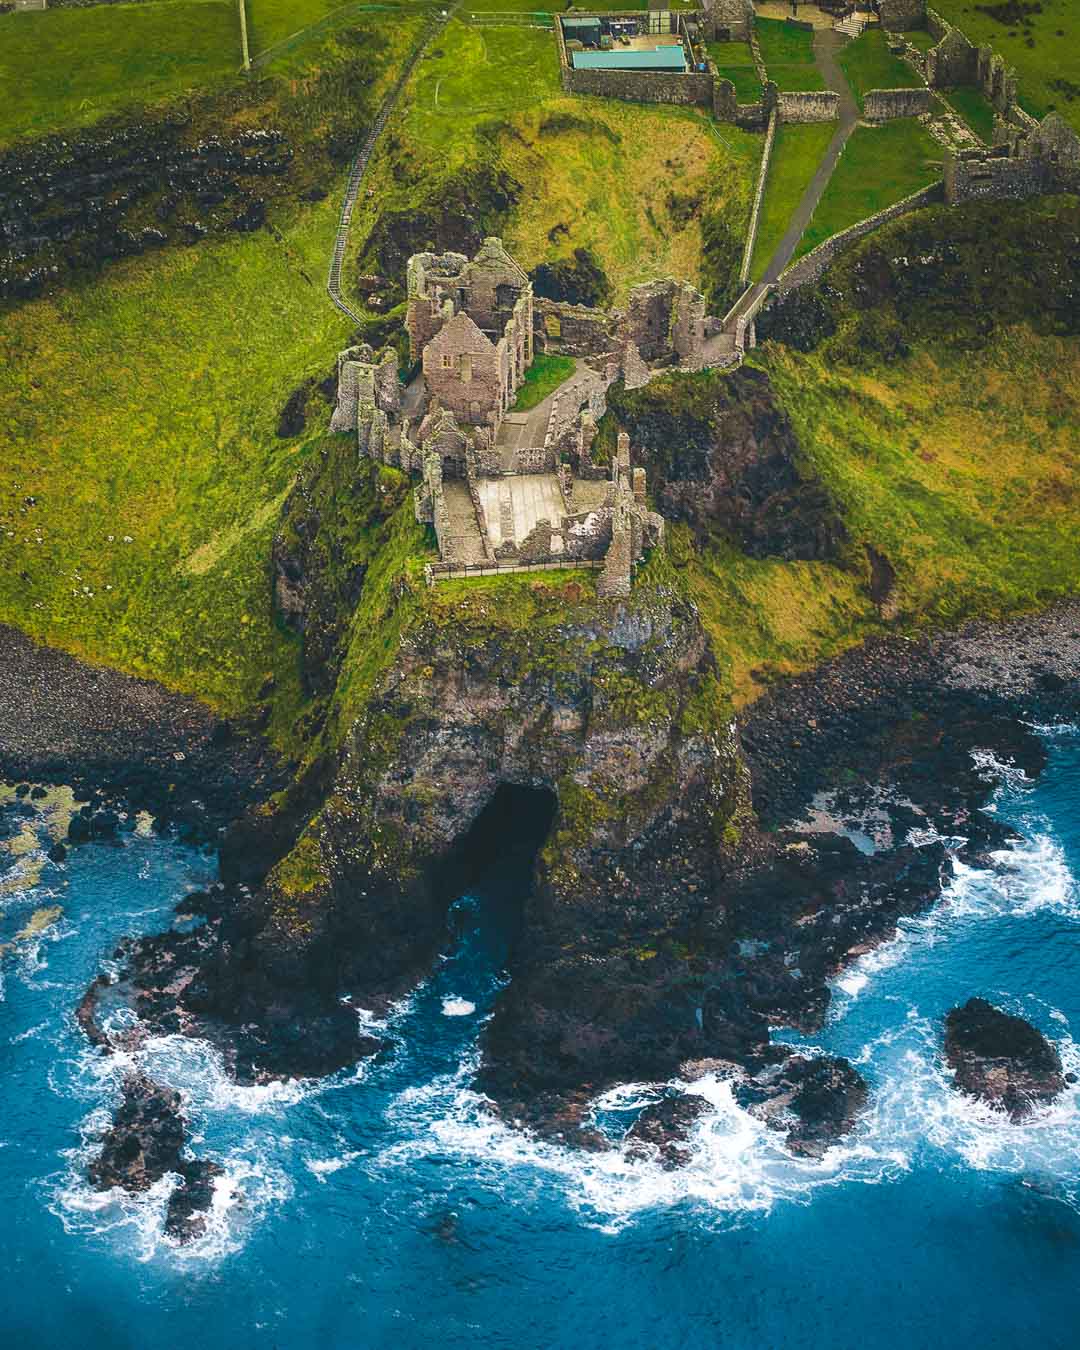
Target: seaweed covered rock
1001	1059
721	454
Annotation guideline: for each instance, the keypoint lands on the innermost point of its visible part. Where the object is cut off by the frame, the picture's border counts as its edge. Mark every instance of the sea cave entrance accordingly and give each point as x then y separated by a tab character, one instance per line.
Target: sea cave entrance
489	872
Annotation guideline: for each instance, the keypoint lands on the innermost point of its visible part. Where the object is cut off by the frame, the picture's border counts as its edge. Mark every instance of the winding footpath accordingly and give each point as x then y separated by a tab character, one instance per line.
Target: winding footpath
359	167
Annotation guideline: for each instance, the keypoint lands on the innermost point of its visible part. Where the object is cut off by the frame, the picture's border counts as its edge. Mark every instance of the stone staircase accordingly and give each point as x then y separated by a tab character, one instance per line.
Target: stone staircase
852	26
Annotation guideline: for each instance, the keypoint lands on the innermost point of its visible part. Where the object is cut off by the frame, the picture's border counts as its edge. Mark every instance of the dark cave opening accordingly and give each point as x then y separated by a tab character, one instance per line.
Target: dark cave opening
491	863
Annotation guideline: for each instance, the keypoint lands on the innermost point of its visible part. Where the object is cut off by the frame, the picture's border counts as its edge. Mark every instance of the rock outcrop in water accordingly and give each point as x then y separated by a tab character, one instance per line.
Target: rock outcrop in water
1001	1059
145	1143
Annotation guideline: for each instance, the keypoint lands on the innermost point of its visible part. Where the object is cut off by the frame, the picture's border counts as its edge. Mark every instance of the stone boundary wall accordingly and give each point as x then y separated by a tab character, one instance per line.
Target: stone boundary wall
690	89
880	105
759	195
817	106
810	268
534	459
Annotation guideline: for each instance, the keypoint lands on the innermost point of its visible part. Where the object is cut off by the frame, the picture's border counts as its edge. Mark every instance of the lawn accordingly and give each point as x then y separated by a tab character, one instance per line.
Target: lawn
976	110
921	38
868	64
797	152
878	166
542	378
788	53
735	62
1049	68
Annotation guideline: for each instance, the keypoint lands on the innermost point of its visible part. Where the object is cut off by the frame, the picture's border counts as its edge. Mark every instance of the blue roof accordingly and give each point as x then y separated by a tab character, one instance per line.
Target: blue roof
663	58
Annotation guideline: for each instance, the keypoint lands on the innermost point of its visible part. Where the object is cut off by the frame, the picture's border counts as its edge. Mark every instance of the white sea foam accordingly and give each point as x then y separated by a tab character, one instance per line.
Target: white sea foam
321	1168
457	1007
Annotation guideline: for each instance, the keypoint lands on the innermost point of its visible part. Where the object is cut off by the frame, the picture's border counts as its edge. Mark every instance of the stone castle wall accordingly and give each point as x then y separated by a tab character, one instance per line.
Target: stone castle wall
809	268
880	105
817	106
898	15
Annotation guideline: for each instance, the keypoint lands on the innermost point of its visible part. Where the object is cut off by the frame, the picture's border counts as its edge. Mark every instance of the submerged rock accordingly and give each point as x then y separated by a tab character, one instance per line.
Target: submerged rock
1001	1059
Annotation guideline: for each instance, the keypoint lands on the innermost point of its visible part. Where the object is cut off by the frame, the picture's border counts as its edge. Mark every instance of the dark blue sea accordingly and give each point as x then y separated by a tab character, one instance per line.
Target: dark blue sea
386	1208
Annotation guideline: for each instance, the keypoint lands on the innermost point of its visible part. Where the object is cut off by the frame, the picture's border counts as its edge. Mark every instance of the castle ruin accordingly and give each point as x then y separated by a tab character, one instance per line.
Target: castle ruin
503	489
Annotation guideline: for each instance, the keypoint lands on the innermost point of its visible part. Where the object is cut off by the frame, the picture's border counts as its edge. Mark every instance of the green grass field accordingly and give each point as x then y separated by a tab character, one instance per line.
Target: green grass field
159	487
868	64
878	166
1049	69
976	110
788	53
68	67
921	38
797	152
734	61
542	378
581	162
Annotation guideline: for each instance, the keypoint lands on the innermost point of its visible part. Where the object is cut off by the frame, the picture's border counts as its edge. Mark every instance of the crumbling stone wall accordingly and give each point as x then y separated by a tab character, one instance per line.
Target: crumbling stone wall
1046	160
953	62
899	15
818	106
727	20
575	330
879	105
665	321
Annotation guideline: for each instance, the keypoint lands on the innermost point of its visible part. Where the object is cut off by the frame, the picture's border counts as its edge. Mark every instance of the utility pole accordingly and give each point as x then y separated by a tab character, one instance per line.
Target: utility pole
243	34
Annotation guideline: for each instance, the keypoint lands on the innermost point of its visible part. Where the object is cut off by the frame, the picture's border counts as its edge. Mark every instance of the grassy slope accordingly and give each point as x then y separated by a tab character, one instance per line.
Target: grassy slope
868	64
145	404
600	168
879	166
1049	69
68	67
788	53
797	152
960	467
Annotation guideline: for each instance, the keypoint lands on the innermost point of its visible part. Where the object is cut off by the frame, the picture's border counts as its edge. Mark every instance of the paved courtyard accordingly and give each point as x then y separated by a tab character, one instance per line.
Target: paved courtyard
531	497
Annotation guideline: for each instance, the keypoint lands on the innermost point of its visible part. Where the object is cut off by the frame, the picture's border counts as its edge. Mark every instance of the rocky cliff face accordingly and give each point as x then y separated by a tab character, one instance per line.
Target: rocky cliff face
607	711
721	454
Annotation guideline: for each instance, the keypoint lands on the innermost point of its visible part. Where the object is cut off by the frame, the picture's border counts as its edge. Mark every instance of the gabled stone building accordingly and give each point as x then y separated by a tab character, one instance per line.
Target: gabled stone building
470	326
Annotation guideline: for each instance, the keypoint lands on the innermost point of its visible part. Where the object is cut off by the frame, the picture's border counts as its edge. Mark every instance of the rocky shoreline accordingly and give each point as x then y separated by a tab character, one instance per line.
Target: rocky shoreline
858	771
121	741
